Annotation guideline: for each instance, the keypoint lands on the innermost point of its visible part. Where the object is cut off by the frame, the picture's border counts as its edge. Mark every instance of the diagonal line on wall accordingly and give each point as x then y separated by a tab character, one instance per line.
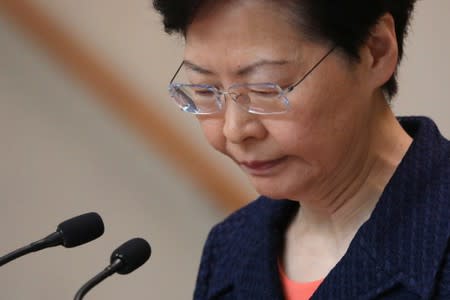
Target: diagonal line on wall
127	103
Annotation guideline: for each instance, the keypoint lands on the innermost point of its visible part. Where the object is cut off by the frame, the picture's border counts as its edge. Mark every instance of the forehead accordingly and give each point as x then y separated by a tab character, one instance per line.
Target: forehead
236	32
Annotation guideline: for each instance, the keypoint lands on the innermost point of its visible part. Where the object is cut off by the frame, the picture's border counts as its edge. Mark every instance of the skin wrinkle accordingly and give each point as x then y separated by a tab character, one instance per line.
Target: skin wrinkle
331	187
263	64
241	70
346	190
259	71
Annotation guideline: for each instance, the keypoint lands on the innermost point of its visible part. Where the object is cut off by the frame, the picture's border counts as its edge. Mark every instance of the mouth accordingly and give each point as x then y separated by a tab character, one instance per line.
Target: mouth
262	167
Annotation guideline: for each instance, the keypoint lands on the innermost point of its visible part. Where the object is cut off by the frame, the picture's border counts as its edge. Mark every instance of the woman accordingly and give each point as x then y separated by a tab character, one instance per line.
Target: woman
296	92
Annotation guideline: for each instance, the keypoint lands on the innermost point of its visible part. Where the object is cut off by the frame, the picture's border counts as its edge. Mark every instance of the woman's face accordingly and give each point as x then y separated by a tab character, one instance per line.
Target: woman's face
305	151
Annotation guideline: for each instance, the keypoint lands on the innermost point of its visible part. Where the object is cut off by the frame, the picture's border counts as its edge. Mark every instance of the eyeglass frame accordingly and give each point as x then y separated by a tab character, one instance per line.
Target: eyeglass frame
282	92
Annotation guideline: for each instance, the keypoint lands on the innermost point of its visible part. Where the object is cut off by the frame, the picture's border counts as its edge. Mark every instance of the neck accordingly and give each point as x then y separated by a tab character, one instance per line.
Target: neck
337	212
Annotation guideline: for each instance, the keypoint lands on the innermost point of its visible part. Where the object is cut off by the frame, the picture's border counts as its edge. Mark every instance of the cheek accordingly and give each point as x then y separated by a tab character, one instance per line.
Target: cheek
325	118
213	131
331	105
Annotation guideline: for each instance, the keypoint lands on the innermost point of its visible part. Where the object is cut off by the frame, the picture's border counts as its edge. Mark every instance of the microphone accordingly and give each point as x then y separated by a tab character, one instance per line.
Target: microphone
70	233
125	259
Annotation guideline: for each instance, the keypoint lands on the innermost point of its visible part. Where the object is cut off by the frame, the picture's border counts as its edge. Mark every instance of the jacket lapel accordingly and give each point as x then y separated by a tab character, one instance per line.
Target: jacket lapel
265	235
263	257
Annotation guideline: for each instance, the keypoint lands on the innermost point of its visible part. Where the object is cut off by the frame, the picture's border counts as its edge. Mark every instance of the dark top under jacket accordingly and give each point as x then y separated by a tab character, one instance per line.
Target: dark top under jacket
401	252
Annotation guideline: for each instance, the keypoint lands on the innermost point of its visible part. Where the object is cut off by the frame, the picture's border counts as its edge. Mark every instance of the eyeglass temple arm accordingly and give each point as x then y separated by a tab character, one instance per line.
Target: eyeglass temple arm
311	70
176	73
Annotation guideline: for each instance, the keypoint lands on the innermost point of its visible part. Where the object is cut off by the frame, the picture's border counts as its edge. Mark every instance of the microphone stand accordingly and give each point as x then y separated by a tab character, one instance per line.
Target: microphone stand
51	240
108	271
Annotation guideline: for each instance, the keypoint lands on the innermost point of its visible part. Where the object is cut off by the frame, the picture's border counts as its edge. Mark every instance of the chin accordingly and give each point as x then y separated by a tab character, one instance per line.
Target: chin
269	187
276	193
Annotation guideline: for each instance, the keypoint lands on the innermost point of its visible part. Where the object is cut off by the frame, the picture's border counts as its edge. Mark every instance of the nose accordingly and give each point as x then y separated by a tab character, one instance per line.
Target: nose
240	125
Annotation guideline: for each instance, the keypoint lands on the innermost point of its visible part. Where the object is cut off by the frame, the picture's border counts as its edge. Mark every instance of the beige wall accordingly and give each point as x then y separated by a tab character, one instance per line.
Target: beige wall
61	154
425	71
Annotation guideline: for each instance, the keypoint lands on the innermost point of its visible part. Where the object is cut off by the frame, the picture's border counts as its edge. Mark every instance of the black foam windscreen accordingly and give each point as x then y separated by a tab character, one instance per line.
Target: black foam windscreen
133	254
81	229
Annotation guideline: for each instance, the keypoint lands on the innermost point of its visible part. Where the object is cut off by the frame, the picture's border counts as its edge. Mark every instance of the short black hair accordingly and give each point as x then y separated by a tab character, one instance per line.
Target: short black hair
345	23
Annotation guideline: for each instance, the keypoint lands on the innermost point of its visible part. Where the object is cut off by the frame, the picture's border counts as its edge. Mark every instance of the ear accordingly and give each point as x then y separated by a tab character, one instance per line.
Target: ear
380	51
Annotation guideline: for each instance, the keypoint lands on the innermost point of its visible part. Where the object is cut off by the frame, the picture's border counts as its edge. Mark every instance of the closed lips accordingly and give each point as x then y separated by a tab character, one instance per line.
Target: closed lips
262	164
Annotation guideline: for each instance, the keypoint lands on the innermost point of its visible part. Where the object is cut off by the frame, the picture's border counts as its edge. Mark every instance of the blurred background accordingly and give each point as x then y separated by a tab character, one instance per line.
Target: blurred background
86	125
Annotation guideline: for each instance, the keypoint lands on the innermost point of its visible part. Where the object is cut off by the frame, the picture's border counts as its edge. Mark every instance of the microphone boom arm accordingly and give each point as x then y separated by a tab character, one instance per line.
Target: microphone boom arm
108	271
51	240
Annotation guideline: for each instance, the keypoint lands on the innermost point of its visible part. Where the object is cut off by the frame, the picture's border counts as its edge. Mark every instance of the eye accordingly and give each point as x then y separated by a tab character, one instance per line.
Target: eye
264	92
203	92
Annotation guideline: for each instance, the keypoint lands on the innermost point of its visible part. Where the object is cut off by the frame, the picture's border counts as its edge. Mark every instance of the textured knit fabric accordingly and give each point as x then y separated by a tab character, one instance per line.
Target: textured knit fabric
401	252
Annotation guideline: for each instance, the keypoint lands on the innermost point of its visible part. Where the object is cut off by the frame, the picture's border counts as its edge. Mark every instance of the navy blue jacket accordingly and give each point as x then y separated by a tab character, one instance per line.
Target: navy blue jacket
401	252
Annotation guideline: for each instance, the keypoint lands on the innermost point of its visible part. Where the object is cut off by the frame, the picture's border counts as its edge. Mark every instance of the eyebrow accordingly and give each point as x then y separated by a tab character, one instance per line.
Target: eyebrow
196	68
241	71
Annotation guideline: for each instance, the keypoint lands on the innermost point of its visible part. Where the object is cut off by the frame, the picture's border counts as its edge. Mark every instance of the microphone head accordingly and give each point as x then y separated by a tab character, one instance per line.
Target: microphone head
81	229
132	254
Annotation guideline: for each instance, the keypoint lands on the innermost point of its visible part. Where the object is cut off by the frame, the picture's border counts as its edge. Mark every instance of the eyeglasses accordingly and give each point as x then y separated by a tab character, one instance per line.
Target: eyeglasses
257	98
